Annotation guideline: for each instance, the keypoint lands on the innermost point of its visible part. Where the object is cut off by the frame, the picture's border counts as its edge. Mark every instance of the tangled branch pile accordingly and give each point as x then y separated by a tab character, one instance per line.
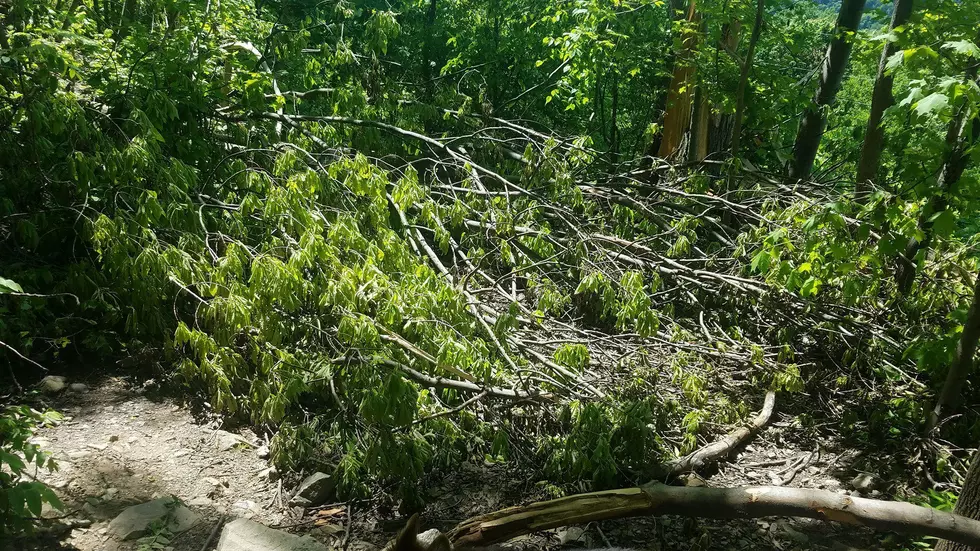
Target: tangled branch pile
362	258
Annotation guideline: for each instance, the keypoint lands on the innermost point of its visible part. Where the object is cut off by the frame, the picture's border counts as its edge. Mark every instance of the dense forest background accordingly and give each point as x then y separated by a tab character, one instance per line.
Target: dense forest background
581	236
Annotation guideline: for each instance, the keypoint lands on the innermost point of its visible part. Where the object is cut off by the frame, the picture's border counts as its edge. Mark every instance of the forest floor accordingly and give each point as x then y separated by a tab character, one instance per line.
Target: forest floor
121	445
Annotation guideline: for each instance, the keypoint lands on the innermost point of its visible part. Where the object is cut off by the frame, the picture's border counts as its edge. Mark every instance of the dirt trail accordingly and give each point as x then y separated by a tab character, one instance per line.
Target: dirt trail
118	448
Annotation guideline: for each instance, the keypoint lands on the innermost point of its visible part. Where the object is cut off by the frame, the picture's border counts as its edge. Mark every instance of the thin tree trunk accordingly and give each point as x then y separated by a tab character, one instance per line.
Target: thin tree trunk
697	149
743	78
881	99
427	62
831	76
958	145
614	122
678	115
962	365
968	505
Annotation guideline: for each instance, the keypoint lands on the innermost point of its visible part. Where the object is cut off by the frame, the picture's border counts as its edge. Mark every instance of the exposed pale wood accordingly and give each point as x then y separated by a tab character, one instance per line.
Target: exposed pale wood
721	448
750	502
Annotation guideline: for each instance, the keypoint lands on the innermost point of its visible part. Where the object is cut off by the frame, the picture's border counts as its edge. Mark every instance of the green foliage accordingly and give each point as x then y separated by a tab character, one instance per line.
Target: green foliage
335	221
21	495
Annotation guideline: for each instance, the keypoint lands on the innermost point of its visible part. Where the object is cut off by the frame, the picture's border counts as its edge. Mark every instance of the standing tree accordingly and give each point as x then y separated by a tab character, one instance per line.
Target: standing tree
881	99
677	118
960	368
962	134
831	76
967	505
743	78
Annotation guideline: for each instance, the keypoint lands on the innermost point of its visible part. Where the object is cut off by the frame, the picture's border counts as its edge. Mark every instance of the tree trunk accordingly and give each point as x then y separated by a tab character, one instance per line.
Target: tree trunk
427	46
697	149
750	502
678	115
614	121
831	76
881	99
743	78
957	157
962	365
967	505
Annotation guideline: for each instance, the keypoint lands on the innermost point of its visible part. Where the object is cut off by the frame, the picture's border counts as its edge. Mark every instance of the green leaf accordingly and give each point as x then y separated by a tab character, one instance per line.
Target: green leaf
33	498
963	47
943	223
931	103
9	286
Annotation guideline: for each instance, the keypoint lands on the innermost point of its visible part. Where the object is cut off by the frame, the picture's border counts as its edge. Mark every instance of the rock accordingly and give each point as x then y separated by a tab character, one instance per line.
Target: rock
135	521
570	534
315	489
200	501
182	452
227	440
863	482
79	454
271	474
262	451
114	438
78	387
246	535
361	545
94	446
52	384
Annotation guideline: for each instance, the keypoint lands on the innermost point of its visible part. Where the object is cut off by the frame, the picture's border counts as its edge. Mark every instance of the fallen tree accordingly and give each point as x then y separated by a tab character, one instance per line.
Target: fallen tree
749	502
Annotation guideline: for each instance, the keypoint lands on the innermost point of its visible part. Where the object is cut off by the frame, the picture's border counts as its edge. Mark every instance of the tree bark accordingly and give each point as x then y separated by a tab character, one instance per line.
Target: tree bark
968	505
831	76
677	118
962	365
721	448
881	99
743	78
750	502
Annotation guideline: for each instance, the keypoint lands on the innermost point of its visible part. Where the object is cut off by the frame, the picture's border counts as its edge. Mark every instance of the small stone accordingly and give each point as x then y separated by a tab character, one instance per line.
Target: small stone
262	451
94	446
200	501
226	441
79	454
316	489
114	438
863	482
570	534
182	452
78	387
110	493
52	384
271	474
135	521
131	439
246	535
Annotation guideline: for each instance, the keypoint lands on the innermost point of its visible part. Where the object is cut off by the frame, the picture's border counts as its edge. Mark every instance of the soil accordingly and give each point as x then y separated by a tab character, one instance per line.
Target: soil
120	446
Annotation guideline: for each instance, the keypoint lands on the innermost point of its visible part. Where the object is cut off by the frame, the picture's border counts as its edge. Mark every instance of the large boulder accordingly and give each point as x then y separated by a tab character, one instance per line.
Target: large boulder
135	521
315	490
246	535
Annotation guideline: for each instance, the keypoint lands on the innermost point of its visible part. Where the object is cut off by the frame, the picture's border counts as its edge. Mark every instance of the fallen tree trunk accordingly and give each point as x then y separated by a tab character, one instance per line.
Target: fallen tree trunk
749	502
719	449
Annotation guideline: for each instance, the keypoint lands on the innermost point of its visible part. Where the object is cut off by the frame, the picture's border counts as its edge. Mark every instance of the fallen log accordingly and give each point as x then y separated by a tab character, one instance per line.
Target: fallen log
719	449
749	502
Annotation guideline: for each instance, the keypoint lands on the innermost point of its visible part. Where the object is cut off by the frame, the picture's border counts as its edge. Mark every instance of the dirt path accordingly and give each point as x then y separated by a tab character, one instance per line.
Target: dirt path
118	448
